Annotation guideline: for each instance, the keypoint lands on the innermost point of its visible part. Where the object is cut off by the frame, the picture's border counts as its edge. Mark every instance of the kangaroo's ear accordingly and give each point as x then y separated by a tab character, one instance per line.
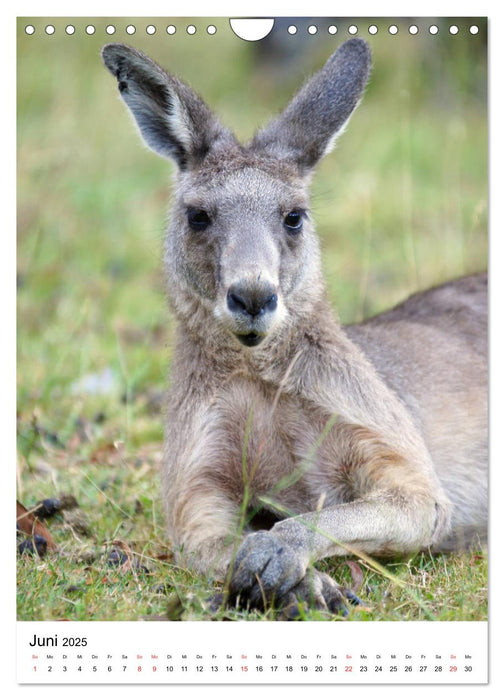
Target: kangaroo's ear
308	127
172	119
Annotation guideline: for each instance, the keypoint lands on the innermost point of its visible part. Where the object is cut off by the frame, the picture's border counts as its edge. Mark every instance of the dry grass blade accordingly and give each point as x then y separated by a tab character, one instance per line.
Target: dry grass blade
355	572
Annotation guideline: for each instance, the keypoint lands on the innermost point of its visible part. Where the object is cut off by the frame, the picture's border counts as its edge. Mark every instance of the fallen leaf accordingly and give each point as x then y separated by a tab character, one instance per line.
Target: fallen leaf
108	454
31	525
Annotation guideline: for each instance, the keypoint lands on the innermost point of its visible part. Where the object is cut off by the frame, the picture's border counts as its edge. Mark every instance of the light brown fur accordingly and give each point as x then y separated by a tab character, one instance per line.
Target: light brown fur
371	437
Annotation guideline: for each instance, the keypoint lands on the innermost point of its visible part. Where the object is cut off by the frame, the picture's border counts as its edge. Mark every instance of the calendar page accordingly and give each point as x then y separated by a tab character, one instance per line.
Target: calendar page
251	350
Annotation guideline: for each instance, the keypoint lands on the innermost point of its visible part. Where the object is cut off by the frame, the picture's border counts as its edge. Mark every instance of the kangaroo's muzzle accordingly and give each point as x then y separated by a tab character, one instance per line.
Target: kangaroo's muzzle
251	307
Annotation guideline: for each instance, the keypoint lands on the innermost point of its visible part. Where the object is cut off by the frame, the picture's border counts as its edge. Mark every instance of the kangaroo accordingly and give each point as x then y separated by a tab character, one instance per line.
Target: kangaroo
368	438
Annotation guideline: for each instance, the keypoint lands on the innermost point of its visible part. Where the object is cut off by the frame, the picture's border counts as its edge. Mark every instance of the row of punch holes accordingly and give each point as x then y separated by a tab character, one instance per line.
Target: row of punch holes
212	29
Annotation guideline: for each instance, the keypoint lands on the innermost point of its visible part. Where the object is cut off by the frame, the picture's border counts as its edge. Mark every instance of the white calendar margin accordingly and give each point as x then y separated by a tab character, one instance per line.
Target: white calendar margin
258	8
450	653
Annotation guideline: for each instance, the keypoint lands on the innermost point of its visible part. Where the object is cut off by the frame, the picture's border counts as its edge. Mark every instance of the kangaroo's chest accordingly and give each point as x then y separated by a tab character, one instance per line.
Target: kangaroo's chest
278	452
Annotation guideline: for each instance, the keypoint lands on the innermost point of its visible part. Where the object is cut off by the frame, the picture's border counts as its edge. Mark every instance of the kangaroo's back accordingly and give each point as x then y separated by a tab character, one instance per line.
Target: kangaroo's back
459	307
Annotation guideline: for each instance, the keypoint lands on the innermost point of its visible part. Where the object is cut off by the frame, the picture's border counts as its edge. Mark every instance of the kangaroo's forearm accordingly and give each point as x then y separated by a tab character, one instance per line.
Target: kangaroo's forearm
375	526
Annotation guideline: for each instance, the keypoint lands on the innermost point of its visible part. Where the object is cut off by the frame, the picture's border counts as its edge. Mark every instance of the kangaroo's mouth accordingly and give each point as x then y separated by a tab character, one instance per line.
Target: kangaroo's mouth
250	339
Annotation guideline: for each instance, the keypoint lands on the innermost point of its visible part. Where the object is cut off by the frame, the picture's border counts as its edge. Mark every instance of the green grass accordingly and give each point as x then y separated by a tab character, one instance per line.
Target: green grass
401	204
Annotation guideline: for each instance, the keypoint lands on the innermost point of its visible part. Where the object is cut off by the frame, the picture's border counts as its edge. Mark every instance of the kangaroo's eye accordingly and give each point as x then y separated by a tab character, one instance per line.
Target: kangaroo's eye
293	222
198	219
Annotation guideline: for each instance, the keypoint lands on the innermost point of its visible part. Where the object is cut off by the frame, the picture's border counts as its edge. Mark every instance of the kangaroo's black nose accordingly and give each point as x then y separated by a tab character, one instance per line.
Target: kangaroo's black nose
251	300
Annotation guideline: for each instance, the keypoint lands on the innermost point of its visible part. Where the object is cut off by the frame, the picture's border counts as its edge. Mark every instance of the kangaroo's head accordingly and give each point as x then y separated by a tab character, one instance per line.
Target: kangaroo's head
241	241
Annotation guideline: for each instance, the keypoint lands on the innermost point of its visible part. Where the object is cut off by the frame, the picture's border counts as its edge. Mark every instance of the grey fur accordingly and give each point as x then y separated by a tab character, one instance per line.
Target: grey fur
373	436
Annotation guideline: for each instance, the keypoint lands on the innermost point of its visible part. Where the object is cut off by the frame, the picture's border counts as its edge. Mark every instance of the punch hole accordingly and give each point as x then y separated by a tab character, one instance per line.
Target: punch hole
474	29
373	29
433	29
191	29
29	29
352	29
90	29
393	29
332	29
110	29
50	29
454	29
292	29
150	29
130	29
312	29
252	29
211	29
170	29
413	29
70	29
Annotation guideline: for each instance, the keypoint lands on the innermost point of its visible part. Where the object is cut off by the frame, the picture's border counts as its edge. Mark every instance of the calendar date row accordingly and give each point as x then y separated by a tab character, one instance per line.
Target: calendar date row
253	669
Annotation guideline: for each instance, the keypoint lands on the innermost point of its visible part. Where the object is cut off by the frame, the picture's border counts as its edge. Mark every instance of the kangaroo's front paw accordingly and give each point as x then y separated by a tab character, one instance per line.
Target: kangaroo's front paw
264	571
318	590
